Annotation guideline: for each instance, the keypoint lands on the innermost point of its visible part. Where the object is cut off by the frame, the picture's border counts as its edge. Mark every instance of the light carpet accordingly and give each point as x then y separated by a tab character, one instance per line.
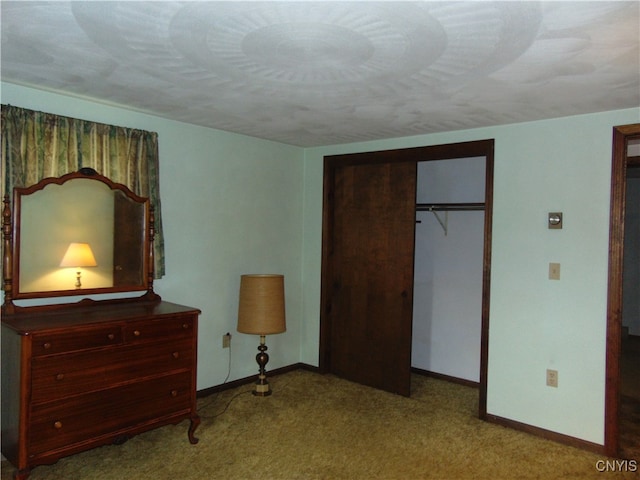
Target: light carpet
322	427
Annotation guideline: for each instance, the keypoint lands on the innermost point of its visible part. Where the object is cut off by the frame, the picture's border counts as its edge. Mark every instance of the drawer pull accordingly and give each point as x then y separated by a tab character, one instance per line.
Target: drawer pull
176	354
174	393
111	336
57	425
60	376
46	346
185	326
136	333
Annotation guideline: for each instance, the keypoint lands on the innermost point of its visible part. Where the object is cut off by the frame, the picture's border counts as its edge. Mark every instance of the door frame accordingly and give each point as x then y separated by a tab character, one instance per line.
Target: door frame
619	164
477	148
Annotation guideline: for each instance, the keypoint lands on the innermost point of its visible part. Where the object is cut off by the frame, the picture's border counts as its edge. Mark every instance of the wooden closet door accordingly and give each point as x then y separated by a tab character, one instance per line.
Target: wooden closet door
370	270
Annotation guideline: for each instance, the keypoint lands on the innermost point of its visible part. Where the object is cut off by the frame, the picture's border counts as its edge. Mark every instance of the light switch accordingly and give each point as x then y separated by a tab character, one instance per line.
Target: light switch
554	271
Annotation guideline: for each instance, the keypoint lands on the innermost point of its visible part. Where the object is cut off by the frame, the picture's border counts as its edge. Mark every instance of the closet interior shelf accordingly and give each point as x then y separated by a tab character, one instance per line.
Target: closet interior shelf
448	207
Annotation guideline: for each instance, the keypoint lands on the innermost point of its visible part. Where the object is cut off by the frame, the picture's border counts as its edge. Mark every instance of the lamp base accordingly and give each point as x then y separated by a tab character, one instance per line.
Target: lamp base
261	387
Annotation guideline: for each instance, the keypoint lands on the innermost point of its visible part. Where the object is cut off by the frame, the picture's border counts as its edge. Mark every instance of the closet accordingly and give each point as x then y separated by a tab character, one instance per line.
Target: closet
368	262
447	292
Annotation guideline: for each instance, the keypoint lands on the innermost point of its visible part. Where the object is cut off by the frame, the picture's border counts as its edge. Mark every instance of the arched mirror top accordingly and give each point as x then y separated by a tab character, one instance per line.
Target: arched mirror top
78	234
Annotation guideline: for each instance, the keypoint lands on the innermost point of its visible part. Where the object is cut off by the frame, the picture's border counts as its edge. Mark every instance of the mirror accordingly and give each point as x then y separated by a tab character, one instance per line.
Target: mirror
57	215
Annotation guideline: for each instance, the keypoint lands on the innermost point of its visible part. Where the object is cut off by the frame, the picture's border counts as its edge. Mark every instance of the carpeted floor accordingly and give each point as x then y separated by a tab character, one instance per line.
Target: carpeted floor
321	427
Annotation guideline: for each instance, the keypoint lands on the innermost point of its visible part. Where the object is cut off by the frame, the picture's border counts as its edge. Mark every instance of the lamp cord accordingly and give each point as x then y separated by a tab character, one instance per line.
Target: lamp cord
226	407
215	396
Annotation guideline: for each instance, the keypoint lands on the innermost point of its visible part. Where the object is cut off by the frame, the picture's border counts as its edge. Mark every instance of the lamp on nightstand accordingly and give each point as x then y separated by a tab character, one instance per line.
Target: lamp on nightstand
261	312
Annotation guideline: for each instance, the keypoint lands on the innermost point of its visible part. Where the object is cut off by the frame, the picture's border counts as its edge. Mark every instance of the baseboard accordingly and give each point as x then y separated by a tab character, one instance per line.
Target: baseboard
505	422
548	434
247	380
537	431
304	366
448	378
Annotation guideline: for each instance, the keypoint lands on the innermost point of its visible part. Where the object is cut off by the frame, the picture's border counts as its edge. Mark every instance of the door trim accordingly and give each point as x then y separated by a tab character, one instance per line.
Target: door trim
614	295
478	148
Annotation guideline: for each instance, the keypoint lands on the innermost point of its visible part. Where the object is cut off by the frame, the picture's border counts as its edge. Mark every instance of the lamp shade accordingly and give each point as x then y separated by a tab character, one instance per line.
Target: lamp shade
78	255
261	308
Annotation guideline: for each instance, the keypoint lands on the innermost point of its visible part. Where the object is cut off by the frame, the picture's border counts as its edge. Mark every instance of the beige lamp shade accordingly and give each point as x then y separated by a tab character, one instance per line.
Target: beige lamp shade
78	255
261	309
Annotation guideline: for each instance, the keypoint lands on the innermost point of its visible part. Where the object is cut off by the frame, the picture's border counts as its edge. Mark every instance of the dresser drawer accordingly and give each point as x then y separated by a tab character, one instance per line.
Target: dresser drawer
59	376
78	339
162	328
57	424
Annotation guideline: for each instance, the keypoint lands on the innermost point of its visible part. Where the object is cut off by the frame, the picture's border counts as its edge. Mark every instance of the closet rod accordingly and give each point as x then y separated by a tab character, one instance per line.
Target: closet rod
448	207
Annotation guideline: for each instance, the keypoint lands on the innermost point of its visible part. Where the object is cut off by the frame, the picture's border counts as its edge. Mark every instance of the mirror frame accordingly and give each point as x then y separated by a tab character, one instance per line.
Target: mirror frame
11	243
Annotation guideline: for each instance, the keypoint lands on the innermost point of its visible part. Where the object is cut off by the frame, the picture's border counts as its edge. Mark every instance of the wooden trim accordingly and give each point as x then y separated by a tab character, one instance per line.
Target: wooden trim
621	134
547	434
616	243
247	380
310	368
449	151
446	378
476	148
540	432
628	130
486	281
324	358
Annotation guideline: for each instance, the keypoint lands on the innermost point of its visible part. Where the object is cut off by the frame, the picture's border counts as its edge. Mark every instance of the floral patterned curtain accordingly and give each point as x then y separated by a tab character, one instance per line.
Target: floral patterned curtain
37	145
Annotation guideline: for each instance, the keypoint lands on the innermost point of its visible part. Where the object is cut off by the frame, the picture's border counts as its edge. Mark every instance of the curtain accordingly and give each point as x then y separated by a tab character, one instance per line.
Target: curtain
37	145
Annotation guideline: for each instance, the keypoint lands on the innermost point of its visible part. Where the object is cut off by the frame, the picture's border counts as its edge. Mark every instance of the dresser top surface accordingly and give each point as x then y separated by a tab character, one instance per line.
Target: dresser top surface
27	322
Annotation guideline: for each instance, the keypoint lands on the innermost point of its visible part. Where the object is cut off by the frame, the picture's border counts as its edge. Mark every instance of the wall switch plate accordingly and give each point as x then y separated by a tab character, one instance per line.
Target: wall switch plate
555	220
226	340
552	378
554	271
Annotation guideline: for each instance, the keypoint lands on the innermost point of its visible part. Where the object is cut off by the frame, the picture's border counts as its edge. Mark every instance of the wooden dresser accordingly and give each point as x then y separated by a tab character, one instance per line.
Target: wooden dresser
93	372
80	376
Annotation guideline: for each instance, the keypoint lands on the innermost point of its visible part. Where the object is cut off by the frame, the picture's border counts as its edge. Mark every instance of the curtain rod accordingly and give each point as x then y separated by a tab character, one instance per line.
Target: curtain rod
448	207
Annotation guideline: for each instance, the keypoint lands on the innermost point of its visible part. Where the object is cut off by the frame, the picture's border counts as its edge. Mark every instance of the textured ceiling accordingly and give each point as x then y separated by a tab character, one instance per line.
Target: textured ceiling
317	73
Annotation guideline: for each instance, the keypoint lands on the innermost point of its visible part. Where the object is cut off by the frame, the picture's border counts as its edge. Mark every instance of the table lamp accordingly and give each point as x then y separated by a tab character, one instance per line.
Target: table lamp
261	312
78	255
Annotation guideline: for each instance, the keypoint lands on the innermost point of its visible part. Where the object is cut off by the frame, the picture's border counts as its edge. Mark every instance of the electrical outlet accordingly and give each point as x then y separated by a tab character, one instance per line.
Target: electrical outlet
226	340
552	378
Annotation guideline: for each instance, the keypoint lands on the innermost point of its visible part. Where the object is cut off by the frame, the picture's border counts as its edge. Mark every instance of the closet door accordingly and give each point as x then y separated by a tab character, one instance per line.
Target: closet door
369	274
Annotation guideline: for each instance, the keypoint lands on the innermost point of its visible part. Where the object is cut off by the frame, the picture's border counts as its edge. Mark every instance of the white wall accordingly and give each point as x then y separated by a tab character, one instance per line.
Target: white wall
234	204
231	204
535	323
447	295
